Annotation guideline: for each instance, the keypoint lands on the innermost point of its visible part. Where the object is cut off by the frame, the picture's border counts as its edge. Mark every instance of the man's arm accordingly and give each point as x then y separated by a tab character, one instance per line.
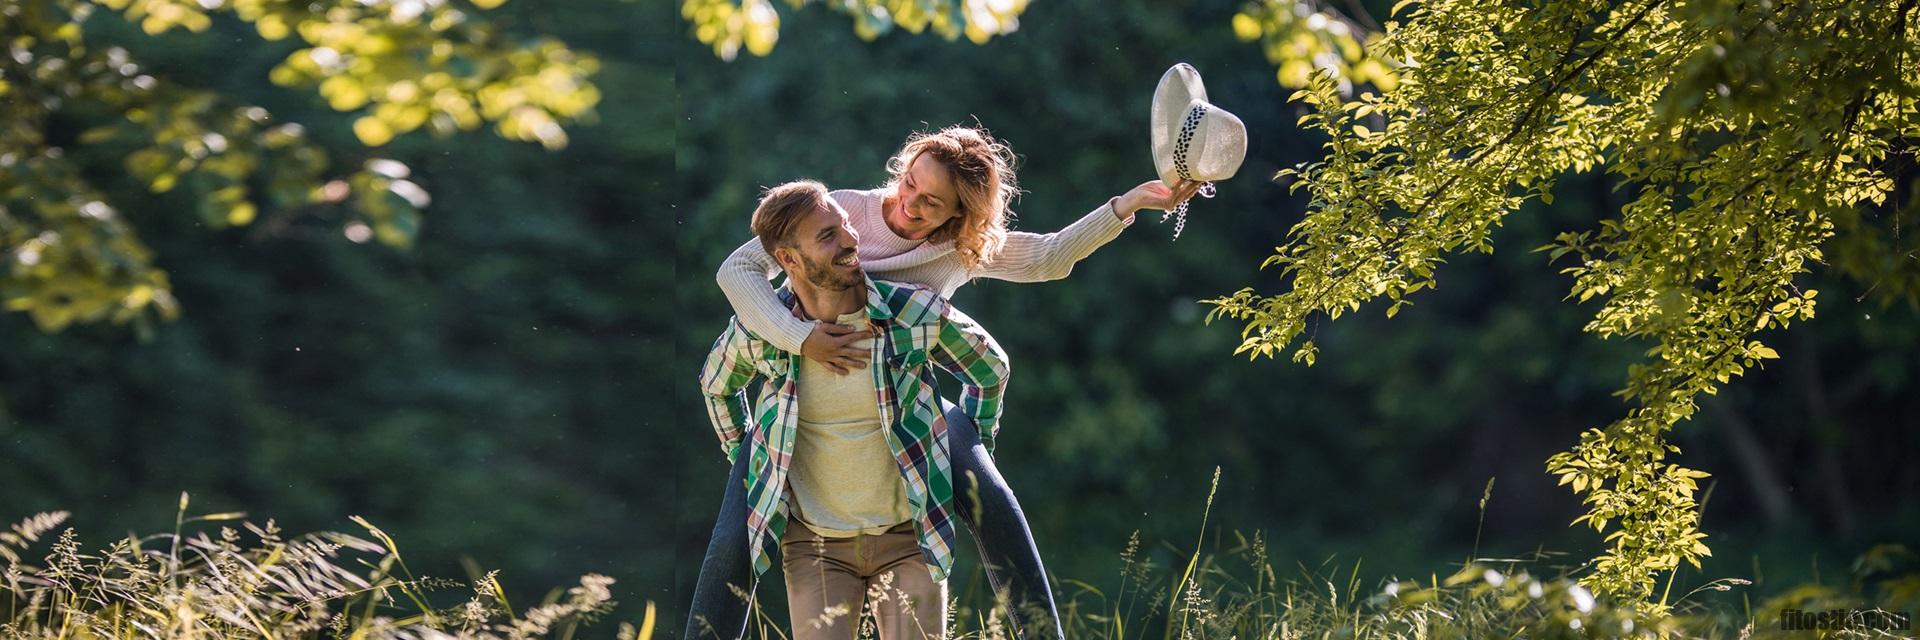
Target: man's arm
723	383
971	355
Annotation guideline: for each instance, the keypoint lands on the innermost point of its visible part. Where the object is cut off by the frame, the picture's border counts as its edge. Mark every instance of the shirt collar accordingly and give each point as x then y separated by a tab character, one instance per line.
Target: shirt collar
877	308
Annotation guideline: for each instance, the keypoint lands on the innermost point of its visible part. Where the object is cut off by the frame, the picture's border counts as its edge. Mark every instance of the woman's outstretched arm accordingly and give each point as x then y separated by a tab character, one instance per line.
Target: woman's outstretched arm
1039	257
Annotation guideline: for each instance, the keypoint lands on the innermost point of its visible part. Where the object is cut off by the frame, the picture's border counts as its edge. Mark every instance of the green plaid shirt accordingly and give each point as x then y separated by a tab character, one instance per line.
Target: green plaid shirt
913	328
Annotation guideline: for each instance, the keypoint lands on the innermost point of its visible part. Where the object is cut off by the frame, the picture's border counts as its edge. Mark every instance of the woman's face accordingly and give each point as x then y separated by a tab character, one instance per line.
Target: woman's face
924	199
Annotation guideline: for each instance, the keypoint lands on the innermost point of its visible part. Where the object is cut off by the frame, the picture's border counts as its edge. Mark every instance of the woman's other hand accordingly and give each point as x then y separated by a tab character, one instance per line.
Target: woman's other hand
834	345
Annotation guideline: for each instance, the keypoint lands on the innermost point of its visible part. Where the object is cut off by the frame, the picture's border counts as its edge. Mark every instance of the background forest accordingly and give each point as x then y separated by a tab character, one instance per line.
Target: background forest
515	389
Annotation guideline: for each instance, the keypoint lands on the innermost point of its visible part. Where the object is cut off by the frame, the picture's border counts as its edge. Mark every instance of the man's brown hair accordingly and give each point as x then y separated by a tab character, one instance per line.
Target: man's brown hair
782	208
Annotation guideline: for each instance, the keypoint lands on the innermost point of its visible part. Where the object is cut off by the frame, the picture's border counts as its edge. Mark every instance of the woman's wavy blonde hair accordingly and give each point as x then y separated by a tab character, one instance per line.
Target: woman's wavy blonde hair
981	168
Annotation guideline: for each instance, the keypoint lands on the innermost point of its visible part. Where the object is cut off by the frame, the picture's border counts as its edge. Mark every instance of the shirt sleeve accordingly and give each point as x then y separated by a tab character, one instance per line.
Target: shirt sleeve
746	279
723	384
973	357
1039	257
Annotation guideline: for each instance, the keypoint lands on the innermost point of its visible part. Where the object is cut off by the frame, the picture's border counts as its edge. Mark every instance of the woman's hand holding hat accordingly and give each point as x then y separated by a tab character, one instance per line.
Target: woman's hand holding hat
1153	194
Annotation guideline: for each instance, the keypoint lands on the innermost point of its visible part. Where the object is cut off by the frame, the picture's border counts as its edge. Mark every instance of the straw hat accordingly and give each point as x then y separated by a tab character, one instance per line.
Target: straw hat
1193	139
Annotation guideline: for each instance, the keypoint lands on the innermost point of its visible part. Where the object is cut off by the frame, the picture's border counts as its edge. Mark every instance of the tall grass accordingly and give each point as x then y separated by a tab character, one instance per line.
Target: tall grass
1236	593
189	584
192	583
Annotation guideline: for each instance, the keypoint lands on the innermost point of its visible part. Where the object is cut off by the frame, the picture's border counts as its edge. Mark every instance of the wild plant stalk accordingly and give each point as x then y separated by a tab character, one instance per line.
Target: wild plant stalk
1485	495
1195	560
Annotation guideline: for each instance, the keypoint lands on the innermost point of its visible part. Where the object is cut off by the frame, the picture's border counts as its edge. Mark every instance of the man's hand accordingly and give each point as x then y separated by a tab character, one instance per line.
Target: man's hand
833	345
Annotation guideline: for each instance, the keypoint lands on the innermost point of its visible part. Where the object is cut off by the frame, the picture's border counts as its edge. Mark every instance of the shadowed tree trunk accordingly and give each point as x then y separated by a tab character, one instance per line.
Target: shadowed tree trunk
1762	477
1828	438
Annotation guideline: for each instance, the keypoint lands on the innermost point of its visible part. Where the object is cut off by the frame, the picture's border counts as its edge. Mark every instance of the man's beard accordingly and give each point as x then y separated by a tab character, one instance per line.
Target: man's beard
828	277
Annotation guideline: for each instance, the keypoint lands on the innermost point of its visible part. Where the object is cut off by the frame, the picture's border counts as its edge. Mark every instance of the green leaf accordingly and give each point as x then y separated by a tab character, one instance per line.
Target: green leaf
372	131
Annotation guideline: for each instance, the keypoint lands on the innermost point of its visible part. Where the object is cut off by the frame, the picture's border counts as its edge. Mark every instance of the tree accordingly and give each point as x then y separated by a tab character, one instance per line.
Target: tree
1745	133
399	64
728	25
1299	37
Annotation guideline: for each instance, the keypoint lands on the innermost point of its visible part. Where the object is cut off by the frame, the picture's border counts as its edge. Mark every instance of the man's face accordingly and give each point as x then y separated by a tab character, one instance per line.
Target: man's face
824	252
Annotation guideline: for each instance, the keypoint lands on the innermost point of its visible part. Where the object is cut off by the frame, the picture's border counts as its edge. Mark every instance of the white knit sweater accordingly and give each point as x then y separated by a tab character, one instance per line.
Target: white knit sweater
1027	257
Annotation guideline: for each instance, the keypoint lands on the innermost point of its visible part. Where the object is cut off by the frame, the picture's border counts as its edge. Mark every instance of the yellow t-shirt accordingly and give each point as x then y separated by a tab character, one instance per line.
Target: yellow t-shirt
844	478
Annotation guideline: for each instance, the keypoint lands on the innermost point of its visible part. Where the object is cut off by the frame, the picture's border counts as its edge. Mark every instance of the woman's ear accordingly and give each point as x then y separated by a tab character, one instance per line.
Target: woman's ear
954	226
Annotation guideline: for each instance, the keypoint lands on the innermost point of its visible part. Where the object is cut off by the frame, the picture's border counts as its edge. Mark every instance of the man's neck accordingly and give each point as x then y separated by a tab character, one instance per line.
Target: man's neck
821	304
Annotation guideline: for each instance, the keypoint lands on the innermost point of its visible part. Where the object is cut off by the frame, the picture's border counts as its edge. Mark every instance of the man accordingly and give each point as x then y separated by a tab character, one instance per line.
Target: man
850	474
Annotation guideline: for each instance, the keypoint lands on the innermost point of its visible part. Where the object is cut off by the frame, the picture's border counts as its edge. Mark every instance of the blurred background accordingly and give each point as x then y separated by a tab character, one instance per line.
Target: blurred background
517	390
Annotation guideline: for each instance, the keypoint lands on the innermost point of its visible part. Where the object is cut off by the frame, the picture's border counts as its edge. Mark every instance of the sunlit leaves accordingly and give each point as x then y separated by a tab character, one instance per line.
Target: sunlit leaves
729	25
67	255
1300	38
389	203
1739	132
159	16
424	63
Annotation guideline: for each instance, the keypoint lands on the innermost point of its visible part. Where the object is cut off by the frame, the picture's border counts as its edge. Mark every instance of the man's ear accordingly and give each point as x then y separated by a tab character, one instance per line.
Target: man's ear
785	257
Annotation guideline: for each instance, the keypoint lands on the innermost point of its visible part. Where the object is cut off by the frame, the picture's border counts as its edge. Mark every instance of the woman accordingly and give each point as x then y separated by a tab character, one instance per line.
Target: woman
939	222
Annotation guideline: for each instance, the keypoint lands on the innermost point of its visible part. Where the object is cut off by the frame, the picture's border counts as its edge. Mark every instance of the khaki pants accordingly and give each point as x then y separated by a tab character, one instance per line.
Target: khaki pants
829	580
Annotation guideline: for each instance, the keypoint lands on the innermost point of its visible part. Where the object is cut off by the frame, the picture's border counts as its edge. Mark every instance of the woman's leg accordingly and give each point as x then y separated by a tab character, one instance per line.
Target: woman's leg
717	611
987	506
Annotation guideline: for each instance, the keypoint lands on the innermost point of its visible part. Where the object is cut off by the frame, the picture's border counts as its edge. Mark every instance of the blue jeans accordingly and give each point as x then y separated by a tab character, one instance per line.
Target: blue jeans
983	501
